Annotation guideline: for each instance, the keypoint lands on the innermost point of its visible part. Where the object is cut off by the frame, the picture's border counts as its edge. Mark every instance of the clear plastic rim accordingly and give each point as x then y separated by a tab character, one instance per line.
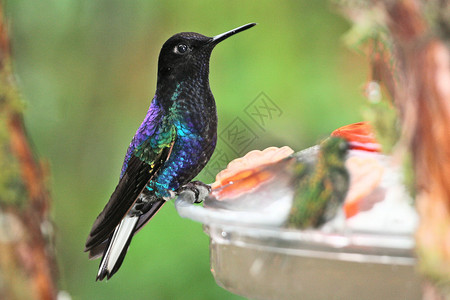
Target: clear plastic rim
252	231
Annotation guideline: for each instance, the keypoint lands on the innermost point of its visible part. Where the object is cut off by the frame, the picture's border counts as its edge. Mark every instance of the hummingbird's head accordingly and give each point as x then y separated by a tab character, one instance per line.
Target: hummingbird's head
334	150
187	54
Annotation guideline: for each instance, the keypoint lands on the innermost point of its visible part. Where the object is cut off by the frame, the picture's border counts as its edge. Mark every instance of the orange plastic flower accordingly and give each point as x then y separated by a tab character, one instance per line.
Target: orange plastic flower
247	173
247	166
360	136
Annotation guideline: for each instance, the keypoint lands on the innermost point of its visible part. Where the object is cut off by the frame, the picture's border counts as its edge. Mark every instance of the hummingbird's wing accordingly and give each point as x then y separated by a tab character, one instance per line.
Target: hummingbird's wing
322	189
140	169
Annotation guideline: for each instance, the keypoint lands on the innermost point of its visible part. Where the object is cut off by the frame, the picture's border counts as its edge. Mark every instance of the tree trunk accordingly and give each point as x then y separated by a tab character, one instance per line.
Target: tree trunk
417	75
27	263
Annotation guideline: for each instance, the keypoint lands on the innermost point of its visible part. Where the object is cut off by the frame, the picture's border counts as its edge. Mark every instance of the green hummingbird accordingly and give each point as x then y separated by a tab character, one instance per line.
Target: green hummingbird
307	187
321	187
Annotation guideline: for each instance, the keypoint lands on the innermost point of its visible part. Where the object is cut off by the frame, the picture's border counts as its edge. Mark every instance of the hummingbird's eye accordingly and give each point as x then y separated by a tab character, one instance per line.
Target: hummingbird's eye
343	146
180	49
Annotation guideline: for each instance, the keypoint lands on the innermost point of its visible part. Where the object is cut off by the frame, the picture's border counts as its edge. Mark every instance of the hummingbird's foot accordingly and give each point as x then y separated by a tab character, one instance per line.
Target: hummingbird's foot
197	190
145	202
139	208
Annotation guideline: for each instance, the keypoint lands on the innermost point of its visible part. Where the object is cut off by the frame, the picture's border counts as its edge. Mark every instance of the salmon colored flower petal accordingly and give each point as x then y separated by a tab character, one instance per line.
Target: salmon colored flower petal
241	167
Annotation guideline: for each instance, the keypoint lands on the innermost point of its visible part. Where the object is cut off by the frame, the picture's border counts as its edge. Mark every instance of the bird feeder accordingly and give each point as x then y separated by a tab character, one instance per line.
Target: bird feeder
367	250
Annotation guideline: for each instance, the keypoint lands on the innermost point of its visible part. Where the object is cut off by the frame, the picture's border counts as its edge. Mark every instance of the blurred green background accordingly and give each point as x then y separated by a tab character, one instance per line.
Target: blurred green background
87	70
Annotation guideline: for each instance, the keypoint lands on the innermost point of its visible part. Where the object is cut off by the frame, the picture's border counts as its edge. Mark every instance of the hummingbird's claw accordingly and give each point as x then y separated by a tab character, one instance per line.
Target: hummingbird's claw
145	202
197	190
138	209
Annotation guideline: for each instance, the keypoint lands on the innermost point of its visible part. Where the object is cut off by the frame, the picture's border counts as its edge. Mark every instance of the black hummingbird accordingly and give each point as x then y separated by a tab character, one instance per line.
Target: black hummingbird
172	145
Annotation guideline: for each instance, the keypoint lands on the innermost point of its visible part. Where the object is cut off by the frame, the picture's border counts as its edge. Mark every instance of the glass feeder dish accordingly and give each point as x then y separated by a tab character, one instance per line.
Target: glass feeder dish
252	253
263	262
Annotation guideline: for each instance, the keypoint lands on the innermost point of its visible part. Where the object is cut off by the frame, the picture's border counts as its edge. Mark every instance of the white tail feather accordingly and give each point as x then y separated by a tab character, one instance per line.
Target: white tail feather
118	242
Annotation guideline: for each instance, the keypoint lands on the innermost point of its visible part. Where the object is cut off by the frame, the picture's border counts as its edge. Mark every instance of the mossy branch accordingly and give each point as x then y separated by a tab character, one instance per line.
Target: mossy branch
27	263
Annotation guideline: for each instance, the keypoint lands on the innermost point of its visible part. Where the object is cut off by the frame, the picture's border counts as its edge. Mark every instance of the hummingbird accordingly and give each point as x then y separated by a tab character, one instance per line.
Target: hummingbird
315	182
172	145
320	187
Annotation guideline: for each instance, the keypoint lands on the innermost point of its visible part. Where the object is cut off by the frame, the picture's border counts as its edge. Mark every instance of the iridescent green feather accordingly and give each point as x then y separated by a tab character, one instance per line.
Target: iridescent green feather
150	150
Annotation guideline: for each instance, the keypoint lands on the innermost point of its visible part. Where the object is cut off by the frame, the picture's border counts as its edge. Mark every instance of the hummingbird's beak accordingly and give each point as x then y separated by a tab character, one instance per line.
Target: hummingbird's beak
218	38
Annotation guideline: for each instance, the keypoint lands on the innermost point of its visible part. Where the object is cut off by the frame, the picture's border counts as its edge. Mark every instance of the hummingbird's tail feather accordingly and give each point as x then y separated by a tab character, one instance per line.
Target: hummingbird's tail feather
99	250
130	186
117	247
152	210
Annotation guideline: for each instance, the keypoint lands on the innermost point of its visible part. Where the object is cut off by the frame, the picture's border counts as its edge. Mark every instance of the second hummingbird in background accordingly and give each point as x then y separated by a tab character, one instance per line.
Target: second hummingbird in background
321	187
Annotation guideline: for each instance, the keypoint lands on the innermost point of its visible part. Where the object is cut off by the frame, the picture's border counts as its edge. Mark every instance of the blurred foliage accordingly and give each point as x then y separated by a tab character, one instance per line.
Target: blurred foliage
88	71
384	119
12	190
